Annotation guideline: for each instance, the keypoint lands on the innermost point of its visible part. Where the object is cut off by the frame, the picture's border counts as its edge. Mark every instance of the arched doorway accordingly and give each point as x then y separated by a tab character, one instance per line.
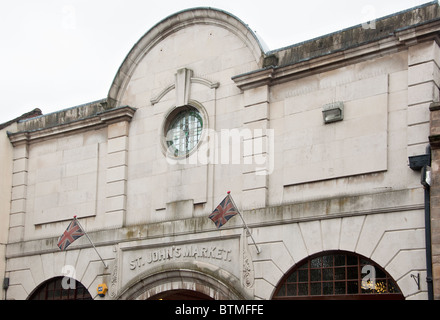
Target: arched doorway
185	284
337	275
60	288
181	295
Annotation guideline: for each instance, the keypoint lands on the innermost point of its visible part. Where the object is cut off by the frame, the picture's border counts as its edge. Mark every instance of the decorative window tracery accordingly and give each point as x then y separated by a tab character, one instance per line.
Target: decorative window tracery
337	275
52	289
184	131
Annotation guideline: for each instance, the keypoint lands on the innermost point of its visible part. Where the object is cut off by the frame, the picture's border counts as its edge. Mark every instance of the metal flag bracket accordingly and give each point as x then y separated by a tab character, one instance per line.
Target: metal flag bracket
105	265
248	231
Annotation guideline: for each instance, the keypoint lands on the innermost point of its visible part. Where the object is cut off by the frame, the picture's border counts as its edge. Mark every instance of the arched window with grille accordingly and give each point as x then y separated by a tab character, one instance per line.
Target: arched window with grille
53	289
337	275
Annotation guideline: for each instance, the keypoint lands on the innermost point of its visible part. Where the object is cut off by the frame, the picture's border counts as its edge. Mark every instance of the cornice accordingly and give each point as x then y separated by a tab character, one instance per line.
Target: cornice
96	121
398	41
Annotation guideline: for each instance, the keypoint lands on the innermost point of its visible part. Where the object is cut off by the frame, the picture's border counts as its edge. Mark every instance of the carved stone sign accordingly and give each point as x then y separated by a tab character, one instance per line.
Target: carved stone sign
200	252
219	253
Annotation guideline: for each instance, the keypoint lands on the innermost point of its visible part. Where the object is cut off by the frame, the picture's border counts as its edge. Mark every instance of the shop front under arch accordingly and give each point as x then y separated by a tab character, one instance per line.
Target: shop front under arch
337	275
199	280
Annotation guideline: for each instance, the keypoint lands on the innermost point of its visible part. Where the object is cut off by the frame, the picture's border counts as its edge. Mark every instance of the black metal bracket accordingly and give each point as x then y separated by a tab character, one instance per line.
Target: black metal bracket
416	279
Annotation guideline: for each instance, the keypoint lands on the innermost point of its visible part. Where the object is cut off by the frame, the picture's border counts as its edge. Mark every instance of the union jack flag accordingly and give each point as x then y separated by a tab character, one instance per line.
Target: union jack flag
72	233
224	211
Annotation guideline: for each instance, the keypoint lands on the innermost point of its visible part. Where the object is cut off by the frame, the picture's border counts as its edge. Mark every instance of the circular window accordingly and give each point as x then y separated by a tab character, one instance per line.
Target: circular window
183	131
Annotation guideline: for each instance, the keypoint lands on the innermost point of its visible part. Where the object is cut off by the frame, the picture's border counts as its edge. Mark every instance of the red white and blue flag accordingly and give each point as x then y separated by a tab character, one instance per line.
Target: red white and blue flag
224	211
72	233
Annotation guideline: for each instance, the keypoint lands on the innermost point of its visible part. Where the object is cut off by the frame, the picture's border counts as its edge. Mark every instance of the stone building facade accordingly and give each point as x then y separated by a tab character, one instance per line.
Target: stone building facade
312	141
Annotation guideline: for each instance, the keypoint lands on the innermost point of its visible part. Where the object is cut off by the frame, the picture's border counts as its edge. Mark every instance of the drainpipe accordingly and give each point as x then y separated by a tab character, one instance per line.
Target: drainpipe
423	163
426	182
428	244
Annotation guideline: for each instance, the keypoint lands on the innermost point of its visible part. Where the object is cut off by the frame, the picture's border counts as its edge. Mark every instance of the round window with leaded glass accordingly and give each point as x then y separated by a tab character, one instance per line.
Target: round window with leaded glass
183	131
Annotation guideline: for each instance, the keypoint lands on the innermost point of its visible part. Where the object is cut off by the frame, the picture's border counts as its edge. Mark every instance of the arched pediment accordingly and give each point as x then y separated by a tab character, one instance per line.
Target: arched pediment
171	25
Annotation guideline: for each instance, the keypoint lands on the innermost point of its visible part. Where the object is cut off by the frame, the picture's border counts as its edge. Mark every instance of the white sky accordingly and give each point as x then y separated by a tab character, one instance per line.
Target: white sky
56	54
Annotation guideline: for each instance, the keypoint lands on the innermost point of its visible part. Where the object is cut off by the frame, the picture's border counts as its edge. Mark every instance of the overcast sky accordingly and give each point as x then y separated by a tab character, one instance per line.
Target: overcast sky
56	54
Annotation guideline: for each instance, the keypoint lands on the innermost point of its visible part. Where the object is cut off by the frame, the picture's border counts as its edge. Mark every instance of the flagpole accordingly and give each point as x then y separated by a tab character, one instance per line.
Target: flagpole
105	265
245	225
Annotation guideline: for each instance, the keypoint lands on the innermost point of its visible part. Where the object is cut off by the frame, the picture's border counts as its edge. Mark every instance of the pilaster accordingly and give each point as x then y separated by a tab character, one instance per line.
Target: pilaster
423	89
19	189
116	184
255	147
